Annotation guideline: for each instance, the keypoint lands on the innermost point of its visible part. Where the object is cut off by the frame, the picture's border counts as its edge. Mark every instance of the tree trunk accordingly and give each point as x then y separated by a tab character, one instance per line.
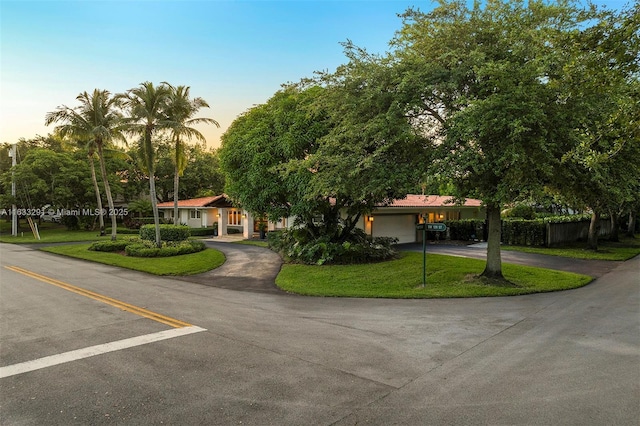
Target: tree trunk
594	230
176	179
107	191
98	197
631	227
614	227
493	269
154	205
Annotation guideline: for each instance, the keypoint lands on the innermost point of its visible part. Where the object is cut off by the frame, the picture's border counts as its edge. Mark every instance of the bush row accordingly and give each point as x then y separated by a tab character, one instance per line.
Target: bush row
167	232
169	248
145	248
465	230
110	246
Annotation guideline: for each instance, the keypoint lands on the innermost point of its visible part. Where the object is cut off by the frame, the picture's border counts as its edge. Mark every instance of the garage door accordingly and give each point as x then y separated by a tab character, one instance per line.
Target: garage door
402	227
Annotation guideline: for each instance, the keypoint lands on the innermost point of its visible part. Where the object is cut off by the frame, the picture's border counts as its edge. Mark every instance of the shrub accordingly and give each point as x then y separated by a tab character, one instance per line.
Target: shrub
110	246
294	246
201	232
524	232
147	248
465	230
137	222
167	232
234	231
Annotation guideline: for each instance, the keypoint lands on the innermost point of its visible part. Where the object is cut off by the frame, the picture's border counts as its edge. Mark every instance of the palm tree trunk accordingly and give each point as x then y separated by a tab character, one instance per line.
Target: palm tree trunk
493	268
154	205
107	191
176	183
97	190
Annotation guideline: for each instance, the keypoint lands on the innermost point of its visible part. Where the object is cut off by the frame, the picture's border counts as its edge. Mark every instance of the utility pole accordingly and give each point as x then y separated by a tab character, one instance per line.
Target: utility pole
14	209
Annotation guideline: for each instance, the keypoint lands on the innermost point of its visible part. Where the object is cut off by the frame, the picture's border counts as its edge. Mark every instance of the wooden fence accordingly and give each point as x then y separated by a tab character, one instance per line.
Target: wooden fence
558	233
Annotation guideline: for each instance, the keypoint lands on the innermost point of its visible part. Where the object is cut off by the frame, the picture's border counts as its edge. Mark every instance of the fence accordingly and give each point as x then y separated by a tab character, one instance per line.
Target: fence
558	233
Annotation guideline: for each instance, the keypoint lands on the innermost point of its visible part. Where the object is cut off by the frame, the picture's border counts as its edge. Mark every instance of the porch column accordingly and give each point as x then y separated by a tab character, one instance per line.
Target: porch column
222	221
247	225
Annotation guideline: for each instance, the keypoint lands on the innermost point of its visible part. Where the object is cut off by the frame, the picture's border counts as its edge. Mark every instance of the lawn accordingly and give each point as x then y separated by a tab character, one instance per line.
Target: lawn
49	233
447	276
607	250
188	264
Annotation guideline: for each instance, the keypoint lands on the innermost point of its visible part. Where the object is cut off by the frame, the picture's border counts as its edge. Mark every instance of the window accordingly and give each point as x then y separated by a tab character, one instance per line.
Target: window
195	214
234	217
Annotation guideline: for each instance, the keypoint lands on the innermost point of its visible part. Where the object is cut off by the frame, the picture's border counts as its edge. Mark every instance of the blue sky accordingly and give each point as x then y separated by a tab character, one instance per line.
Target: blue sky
234	54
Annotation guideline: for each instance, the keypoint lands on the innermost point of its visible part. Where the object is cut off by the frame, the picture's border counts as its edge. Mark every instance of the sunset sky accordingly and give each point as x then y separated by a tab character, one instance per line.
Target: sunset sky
234	54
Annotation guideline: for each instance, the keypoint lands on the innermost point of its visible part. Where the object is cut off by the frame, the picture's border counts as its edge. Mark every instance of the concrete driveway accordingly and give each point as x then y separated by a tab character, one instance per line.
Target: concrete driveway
570	358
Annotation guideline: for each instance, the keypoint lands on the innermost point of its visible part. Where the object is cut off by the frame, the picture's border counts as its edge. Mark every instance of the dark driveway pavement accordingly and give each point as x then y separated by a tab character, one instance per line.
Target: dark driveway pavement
247	268
593	268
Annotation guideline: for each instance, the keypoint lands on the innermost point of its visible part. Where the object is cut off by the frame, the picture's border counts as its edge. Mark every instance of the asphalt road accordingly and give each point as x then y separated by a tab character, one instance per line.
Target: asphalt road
263	358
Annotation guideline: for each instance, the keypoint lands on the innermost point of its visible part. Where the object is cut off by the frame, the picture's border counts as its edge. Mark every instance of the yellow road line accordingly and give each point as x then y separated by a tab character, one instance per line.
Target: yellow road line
104	299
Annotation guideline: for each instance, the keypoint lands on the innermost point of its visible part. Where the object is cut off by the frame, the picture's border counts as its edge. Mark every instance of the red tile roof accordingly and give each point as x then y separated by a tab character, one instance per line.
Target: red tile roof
413	200
193	202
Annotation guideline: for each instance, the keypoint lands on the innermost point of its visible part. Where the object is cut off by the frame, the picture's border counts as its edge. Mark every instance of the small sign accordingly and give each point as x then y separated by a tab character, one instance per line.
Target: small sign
420	227
436	227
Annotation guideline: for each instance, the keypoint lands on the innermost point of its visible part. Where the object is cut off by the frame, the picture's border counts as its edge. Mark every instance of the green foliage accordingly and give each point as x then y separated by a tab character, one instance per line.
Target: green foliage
134	223
524	232
110	246
148	248
141	207
295	246
202	232
522	211
167	232
465	230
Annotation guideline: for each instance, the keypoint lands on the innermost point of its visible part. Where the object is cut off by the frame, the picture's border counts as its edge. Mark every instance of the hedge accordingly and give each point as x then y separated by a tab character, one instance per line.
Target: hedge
465	230
148	249
109	246
167	232
202	232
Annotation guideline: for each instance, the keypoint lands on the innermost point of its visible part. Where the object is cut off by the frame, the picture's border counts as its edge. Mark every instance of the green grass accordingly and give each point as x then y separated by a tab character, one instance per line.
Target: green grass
607	250
188	264
52	235
447	276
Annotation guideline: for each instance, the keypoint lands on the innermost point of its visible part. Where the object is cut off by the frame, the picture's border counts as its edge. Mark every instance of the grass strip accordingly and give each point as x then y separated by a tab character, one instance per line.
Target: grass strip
447	276
187	264
625	249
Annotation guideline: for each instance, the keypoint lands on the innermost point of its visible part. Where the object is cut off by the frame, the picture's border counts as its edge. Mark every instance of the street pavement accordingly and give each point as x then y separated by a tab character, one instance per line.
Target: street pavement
260	357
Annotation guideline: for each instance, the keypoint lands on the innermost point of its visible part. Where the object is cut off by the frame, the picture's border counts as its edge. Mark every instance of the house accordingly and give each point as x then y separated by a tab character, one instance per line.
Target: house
397	219
206	212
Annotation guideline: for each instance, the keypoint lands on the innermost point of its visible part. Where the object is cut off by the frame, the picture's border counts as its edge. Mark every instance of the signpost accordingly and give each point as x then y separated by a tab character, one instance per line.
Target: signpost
424	227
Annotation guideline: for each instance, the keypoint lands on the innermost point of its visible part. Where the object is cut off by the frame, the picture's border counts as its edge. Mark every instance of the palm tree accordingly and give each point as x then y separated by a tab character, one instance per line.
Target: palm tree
180	114
98	121
147	107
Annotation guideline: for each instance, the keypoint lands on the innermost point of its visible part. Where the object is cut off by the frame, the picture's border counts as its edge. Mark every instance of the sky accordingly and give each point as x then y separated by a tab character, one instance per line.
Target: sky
233	54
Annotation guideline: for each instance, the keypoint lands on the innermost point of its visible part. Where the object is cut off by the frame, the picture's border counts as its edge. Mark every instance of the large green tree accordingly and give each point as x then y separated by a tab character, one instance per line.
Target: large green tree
181	111
261	142
602	85
96	121
146	106
484	79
